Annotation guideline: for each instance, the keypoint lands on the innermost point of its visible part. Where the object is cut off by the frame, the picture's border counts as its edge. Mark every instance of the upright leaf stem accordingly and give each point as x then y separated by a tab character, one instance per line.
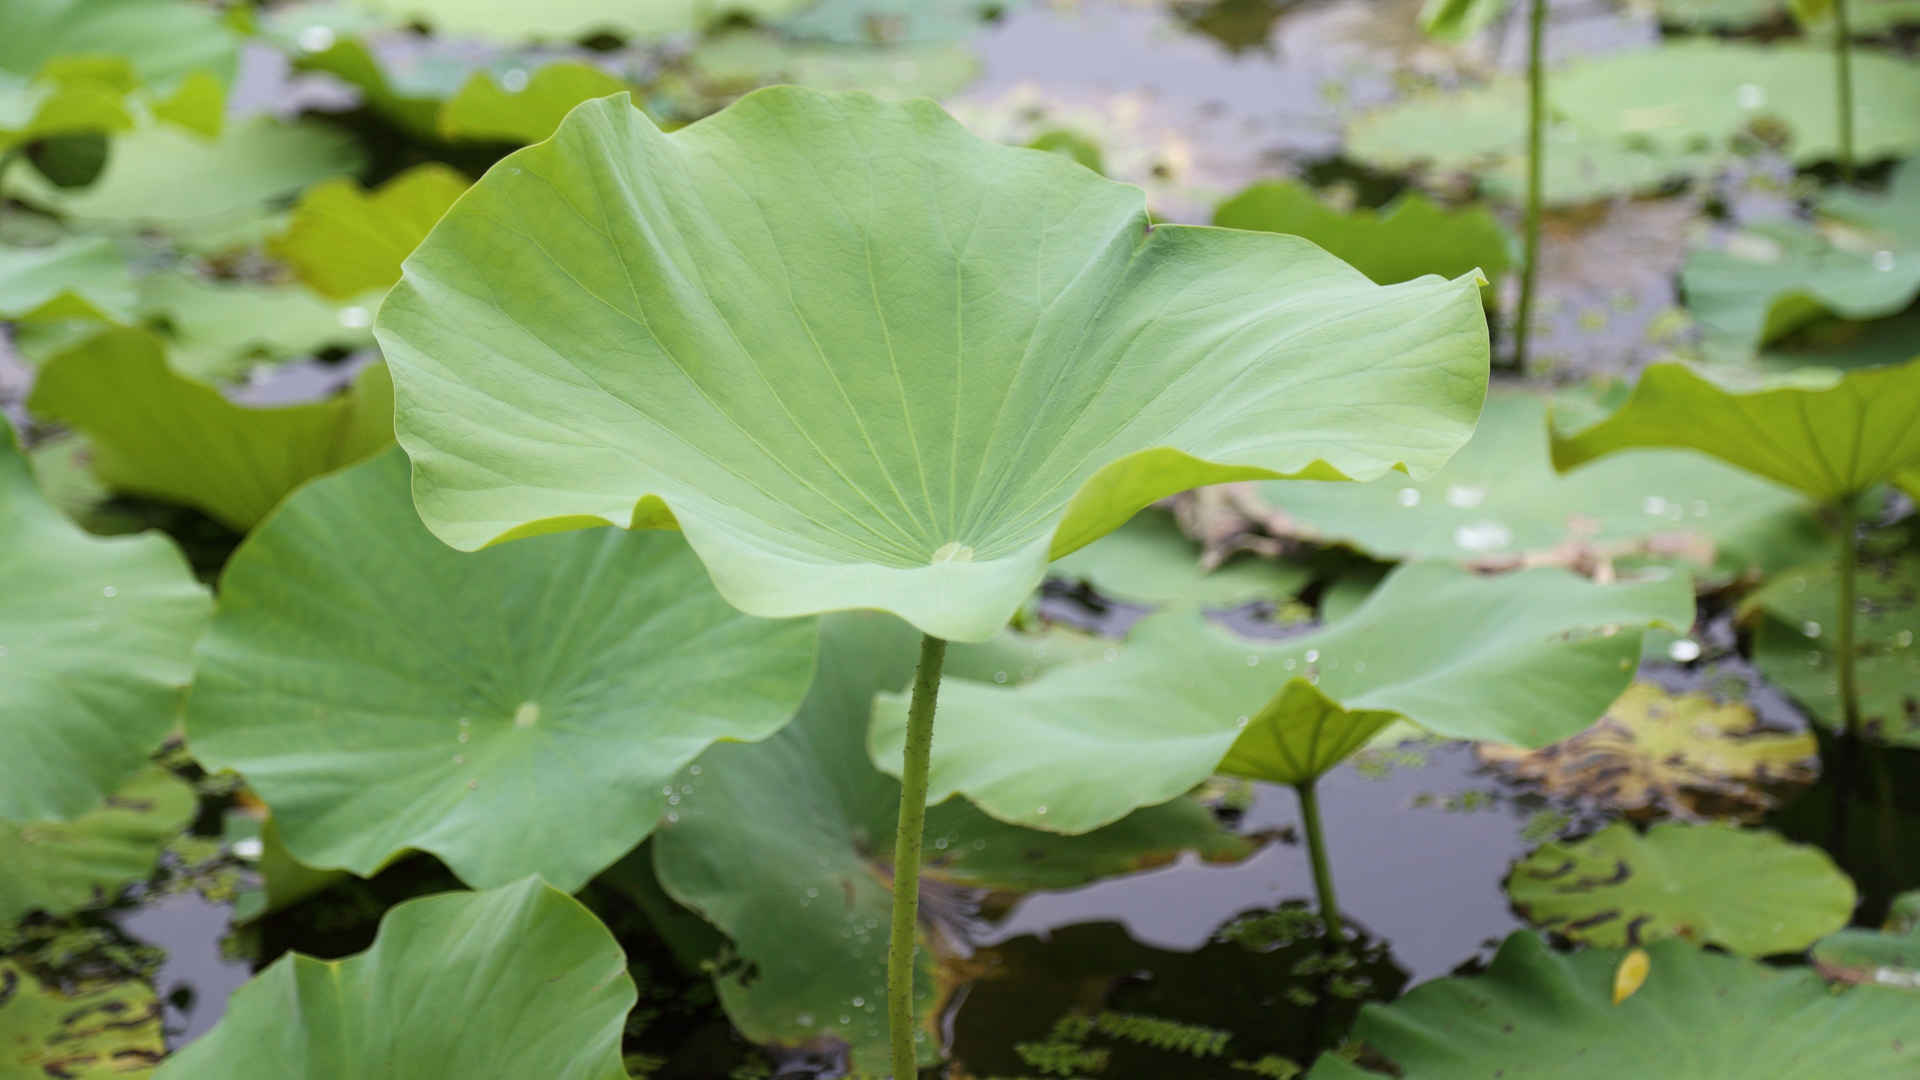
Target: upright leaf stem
1843	70
1322	873
906	856
1536	149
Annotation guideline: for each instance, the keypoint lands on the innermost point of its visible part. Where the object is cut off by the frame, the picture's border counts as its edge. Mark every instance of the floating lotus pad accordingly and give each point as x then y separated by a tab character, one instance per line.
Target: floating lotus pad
1750	892
516	981
1183	698
345	242
98	1032
650	329
1149	561
94	639
515	711
58	867
784	845
1698	1016
1407	238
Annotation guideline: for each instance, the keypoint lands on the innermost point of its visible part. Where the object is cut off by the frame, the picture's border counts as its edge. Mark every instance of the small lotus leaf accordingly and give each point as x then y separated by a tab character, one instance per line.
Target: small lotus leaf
1500	504
1150	561
162	41
71	276
1750	892
519	710
567	20
526	113
1543	652
344	242
98	1032
1794	643
94	639
1828	434
58	867
775	330
1888	957
158	433
515	981
726	65
1772	279
1632	121
1698	1016
1409	237
784	845
1688	755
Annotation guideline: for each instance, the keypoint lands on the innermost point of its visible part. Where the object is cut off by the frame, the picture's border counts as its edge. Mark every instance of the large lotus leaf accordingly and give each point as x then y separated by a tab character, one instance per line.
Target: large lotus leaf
1698	1016
58	867
566	20
108	1031
94	639
1686	754
775	328
515	981
1499	503
1531	656
158	433
1887	957
1150	561
162	40
726	65
344	242
785	845
71	276
1750	892
1632	121
1409	237
1794	644
1773	279
162	176
222	330
521	108
1829	434
513	711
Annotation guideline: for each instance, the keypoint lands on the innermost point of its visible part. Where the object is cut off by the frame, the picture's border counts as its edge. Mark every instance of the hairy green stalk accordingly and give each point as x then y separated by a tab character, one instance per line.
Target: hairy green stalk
906	856
1843	71
1317	849
1536	151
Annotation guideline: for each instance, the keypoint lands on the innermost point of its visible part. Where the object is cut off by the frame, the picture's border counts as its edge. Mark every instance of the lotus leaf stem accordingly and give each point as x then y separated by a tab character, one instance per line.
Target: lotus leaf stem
1844	618
906	857
1536	150
1317	848
1843	72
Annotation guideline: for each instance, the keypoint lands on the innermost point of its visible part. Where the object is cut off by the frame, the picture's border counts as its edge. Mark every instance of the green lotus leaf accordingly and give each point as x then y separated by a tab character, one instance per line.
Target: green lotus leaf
515	981
569	20
771	329
521	108
729	64
1409	237
94	639
71	276
1830	435
513	711
1888	957
158	433
63	866
106	1031
1632	121
1499	503
868	22
327	38
1698	1016
161	176
1793	644
59	104
1750	892
1773	279
344	242
785	845
1689	755
160	40
1150	561
1454	20
1527	657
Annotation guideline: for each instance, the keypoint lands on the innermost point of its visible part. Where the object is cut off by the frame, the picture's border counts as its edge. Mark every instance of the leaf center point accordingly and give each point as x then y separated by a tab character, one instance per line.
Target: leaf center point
527	715
952	551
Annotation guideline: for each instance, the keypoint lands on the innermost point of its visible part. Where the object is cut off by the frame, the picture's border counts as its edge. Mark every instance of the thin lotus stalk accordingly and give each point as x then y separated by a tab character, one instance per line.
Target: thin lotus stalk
1843	73
1536	150
906	856
1322	874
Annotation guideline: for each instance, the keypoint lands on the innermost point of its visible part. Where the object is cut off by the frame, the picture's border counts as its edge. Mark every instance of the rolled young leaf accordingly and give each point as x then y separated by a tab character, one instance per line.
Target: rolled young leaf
864	358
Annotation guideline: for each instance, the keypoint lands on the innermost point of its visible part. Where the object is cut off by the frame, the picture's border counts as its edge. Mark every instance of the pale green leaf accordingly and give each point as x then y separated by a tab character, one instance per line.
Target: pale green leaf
1409	237
1150	561
1453	20
72	276
569	20
63	866
513	711
344	242
486	109
516	981
109	1031
775	328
